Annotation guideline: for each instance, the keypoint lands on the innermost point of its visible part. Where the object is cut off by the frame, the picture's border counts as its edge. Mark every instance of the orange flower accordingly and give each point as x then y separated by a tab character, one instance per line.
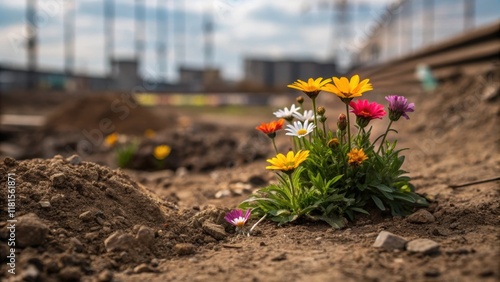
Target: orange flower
270	128
356	157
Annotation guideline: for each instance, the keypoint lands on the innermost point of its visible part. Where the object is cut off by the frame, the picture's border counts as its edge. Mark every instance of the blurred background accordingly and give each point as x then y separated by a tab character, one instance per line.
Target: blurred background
217	45
200	54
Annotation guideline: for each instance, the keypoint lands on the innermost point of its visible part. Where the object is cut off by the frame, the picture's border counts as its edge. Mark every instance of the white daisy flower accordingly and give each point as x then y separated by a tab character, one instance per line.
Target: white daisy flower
299	129
307	115
286	113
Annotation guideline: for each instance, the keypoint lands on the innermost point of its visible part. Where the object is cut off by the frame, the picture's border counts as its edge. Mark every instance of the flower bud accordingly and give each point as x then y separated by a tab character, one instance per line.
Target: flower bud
300	100
333	143
342	122
321	111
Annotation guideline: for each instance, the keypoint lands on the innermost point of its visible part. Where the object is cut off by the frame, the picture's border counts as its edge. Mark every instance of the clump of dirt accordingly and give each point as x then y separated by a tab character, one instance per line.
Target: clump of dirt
107	113
78	218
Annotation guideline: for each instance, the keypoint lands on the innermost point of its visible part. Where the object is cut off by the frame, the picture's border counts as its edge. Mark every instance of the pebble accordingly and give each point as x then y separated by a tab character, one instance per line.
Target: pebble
183	249
145	236
71	273
76	244
58	179
45	204
143	268
74	160
423	246
214	230
119	242
105	276
421	216
389	241
86	216
31	273
30	231
222	193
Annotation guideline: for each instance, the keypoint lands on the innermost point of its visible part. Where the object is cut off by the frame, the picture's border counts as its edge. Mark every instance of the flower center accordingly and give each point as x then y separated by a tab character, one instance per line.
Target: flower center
302	131
365	113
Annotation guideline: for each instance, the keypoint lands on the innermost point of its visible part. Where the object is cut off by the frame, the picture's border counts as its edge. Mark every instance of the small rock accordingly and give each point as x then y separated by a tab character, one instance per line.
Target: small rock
143	268
389	241
423	246
31	273
439	232
155	262
30	231
71	273
214	230
222	193
183	249
421	216
74	160
58	179
105	276
432	273
91	236
44	204
280	257
76	244
145	236
119	242
86	216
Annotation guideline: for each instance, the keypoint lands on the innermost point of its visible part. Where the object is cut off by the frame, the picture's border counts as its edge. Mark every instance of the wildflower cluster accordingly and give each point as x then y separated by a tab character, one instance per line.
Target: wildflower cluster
331	175
126	147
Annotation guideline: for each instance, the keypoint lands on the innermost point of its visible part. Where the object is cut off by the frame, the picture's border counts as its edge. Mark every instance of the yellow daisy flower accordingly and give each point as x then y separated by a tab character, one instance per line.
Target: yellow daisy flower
161	152
312	87
111	139
356	157
348	89
289	162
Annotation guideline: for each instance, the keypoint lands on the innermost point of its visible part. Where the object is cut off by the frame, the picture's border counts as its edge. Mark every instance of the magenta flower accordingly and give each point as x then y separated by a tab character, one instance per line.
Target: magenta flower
366	111
398	106
236	217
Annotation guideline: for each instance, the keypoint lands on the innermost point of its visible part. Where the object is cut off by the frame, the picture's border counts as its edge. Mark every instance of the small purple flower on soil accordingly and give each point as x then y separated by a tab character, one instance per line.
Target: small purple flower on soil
236	217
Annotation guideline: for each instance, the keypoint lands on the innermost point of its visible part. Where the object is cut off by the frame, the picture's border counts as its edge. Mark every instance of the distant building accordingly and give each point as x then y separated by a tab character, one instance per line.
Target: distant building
199	79
276	74
124	74
409	25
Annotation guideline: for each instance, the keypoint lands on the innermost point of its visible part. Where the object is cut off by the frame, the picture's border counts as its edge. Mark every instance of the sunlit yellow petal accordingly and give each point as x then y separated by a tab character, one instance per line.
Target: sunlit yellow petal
354	82
344	85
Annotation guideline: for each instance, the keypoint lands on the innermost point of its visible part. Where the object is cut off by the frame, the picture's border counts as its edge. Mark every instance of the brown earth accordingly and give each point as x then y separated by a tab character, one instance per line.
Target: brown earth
131	225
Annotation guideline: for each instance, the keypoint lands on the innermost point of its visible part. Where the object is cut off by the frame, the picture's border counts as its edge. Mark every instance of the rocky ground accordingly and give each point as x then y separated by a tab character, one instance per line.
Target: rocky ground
80	218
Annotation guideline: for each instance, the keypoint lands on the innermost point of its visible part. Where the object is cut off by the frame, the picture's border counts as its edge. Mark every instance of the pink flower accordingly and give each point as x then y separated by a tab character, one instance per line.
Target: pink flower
236	217
366	111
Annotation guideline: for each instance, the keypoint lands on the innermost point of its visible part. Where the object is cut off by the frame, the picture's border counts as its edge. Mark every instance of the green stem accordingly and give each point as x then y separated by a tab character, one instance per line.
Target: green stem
383	138
274	144
324	130
304	142
292	187
315	118
348	126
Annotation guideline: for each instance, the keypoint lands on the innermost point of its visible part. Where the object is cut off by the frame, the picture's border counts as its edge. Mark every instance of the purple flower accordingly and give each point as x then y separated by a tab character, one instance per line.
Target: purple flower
398	106
236	217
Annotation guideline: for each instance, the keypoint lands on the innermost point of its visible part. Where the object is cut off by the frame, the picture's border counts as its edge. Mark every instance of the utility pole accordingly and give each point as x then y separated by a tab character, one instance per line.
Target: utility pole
109	10
469	11
31	30
209	40
428	24
161	38
139	30
69	36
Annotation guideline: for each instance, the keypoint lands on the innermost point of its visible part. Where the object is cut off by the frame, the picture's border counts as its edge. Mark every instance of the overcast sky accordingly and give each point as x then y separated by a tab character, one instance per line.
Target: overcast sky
258	28
242	28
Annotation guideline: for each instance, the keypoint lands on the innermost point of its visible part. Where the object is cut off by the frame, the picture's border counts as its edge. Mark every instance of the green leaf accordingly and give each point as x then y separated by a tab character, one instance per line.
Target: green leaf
384	188
360	210
378	202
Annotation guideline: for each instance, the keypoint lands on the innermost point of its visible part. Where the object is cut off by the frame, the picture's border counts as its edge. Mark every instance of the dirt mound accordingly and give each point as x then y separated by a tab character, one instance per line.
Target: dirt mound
78	218
107	113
